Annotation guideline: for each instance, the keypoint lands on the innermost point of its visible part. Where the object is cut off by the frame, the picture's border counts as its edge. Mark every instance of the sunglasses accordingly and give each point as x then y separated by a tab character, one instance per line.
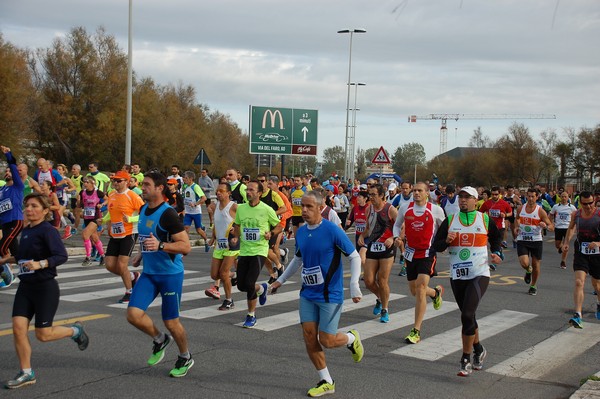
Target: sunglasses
118	180
262	181
587	203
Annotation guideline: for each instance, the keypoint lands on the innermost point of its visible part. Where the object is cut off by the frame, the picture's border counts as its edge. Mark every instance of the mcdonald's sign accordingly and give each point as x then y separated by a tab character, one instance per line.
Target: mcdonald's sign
286	131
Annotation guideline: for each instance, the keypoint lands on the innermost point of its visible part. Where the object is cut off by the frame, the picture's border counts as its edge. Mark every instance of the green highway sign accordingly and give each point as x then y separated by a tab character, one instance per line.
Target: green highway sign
285	131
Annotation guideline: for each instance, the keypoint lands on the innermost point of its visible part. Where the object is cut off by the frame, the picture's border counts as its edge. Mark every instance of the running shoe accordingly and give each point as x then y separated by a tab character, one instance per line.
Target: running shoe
527	277
227	305
284	257
504	244
182	366
102	261
271	280
280	271
385	316
250	321
563	265
158	350
437	300
413	337
22	379
514	244
532	290
402	271
213	292
206	249
262	298
234	280
560	250
6	276
136	277
82	338
478	359
575	321
598	311
492	267
94	252
87	262
322	388
465	368
67	234
356	347
377	308
125	298
73	231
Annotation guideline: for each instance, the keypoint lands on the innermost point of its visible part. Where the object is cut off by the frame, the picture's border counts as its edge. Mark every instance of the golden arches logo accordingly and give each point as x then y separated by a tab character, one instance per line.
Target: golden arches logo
273	116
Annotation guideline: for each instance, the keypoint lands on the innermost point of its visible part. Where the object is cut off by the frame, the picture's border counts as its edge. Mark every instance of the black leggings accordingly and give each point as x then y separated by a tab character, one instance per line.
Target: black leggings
468	294
248	270
9	241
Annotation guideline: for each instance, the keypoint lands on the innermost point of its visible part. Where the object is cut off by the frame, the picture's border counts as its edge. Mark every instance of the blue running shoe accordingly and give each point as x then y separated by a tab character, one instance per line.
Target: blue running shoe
575	321
250	321
262	299
385	316
6	276
377	308
598	311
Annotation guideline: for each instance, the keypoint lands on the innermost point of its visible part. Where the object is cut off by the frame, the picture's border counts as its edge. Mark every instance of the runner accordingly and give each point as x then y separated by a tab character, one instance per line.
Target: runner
163	242
514	200
449	202
255	223
585	225
498	210
421	220
11	216
381	250
193	198
102	181
123	213
225	252
319	245
136	172
561	217
206	184
296	194
530	222
40	253
466	236
91	200
238	189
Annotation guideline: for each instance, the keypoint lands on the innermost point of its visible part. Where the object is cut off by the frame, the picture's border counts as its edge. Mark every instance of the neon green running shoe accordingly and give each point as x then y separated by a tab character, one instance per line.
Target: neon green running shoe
414	337
182	366
437	300
322	388
356	348
158	351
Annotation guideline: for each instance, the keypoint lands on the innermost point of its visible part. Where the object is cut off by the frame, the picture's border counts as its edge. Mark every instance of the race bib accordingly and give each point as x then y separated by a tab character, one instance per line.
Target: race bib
495	213
188	201
141	239
89	211
222	243
586	250
461	270
360	227
408	253
297	201
526	237
563	216
377	246
5	205
251	234
23	269
117	228
312	276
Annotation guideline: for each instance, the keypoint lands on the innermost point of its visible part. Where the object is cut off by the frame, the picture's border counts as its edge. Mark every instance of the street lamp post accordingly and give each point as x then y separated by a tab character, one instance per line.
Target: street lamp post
349	168
129	88
351	151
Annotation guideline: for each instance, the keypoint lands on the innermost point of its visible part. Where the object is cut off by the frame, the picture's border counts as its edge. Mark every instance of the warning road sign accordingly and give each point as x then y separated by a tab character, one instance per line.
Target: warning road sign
381	157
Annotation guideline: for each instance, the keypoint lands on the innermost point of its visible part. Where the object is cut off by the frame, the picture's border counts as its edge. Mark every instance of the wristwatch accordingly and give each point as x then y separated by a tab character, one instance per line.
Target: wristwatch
161	246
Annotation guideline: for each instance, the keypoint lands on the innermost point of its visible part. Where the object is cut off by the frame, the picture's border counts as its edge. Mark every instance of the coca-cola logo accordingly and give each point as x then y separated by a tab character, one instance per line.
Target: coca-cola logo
303	149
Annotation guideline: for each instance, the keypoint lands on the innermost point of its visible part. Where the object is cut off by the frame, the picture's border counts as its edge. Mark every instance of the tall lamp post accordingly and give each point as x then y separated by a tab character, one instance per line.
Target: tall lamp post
129	89
349	168
351	151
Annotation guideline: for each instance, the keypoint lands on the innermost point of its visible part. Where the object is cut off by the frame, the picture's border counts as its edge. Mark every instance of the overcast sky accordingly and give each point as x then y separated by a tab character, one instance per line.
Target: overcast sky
417	57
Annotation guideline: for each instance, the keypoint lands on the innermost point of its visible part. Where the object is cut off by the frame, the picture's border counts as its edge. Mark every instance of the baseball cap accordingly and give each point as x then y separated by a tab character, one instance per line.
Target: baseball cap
469	190
362	187
392	187
121	174
329	187
172	181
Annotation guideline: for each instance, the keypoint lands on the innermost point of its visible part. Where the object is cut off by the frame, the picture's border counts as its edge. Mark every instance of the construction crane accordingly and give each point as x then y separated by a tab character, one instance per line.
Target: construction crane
456	117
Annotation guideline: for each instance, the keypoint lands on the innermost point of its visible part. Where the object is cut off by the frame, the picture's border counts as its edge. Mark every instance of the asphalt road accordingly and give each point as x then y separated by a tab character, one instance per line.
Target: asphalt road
532	352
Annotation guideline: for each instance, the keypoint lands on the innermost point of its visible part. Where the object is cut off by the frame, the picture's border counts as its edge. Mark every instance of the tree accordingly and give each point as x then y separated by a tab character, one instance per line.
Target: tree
564	152
16	95
518	150
406	157
361	164
333	160
478	140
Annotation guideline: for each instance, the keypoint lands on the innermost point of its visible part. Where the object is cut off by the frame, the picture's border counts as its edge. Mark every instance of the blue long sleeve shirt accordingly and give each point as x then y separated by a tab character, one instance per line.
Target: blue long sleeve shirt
11	196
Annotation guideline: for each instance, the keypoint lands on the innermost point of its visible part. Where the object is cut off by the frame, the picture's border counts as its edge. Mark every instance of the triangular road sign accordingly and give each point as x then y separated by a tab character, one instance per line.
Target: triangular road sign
381	157
202	158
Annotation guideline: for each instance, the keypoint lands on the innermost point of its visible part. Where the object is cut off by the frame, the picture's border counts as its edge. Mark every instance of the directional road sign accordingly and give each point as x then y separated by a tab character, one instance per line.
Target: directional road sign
286	131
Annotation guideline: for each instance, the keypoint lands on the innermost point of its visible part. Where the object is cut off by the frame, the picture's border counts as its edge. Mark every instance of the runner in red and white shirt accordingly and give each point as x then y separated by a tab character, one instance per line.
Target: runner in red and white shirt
498	210
421	220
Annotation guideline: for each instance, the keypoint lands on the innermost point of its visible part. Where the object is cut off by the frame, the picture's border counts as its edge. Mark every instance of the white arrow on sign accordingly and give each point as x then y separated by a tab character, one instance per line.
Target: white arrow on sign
305	130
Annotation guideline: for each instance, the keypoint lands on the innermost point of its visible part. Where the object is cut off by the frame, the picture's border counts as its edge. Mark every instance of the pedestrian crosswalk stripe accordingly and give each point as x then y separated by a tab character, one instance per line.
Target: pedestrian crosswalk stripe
541	359
115	292
404	318
287	319
211	311
448	342
112	279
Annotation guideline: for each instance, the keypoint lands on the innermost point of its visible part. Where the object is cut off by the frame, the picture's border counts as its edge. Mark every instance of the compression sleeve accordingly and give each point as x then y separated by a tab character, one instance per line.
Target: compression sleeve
290	270
354	274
